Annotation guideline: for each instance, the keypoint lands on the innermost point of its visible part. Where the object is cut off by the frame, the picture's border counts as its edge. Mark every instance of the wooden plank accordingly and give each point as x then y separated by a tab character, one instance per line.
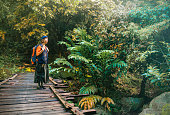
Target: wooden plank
51	79
90	111
22	93
22	99
30	105
8	79
13	77
58	80
65	94
69	99
80	95
57	110
76	111
51	113
26	96
16	86
65	103
4	81
60	86
27	101
56	106
20	96
23	90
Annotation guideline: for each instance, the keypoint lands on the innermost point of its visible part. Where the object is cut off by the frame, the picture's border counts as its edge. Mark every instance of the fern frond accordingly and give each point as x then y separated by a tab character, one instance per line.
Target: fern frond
57	70
142	56
147	31
75	48
70	40
88	44
89	102
62	61
79	58
108	101
65	43
88	90
105	53
119	64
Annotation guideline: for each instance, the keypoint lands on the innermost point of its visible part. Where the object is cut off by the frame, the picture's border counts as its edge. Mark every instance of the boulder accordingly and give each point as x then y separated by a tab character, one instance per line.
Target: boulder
160	105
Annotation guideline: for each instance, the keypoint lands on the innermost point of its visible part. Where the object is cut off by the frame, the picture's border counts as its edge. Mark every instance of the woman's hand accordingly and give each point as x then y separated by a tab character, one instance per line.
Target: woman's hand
43	48
47	50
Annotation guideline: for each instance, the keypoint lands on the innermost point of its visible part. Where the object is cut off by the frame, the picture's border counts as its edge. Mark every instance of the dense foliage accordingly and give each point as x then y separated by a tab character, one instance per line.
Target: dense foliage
109	49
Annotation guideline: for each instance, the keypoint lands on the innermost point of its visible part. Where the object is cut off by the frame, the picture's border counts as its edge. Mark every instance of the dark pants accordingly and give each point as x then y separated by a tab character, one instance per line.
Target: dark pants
41	73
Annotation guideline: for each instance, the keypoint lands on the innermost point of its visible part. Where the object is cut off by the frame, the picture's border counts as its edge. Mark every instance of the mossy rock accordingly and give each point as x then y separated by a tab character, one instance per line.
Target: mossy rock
160	105
131	103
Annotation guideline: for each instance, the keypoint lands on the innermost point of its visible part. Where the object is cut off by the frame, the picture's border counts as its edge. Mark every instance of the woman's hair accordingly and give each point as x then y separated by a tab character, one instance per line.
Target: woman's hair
42	40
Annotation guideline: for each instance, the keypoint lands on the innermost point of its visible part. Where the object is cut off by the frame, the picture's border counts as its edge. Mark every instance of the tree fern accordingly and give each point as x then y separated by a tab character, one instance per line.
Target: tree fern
89	102
57	70
79	58
86	43
75	48
62	61
119	64
88	90
154	75
65	43
107	101
81	33
70	40
142	56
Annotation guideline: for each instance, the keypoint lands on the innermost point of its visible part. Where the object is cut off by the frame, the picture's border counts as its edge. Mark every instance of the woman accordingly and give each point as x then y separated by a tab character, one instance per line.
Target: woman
42	75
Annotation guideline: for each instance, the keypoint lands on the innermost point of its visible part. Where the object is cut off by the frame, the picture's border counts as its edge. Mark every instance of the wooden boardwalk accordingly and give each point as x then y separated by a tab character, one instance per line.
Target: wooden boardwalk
20	96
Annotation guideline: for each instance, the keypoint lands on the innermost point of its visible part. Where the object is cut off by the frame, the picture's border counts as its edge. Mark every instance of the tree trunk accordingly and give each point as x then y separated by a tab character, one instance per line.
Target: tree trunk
142	88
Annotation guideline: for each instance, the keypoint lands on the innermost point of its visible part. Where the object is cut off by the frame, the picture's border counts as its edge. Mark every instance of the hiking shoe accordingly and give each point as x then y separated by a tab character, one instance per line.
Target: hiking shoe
43	87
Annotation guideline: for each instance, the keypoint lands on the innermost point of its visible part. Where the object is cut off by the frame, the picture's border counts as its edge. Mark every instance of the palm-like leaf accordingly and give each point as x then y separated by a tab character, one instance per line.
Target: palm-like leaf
119	64
70	40
89	102
62	61
79	58
75	48
87	44
65	43
88	90
154	75
107	101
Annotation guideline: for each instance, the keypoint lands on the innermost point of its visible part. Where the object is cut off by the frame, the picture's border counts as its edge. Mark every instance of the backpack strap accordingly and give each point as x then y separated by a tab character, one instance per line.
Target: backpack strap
41	45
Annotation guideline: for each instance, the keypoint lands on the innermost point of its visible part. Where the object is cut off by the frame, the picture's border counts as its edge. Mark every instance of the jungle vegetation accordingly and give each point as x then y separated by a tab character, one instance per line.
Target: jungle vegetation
109	49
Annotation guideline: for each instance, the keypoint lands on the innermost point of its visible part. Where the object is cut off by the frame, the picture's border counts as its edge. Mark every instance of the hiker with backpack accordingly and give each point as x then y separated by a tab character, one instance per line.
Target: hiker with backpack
40	58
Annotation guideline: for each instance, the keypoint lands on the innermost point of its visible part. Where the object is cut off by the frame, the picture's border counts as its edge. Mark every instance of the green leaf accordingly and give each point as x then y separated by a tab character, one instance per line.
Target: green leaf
79	58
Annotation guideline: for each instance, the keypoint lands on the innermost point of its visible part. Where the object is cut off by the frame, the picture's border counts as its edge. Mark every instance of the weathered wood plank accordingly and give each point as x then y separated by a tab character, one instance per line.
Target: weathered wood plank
90	111
80	95
8	79
60	86
55	106
51	79
56	110
29	105
27	101
26	96
65	103
20	96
